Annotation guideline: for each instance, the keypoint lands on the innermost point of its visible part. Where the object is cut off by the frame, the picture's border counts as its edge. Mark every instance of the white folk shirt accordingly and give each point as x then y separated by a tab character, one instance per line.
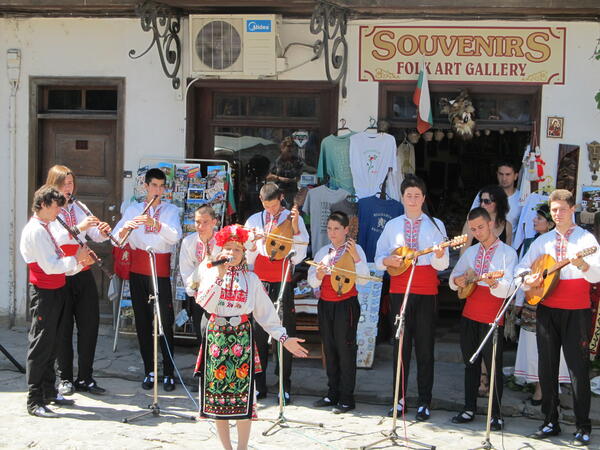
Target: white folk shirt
239	292
259	220
503	258
393	237
326	254
189	259
63	237
579	240
163	241
37	247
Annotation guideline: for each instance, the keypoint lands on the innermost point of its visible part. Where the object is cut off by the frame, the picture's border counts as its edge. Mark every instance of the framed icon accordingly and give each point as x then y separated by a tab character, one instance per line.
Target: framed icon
555	126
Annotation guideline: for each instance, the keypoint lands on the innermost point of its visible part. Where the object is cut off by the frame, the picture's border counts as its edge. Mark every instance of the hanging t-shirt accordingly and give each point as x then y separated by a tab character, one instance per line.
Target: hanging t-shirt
371	155
317	206
351	210
334	162
373	214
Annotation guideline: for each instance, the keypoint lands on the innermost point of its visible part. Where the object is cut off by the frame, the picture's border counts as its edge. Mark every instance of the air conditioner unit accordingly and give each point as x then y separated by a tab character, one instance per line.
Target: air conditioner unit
236	45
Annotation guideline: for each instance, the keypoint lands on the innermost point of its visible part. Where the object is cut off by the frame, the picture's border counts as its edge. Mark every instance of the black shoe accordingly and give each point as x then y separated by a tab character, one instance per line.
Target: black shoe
464	417
169	383
399	407
89	386
545	431
496	424
535	402
260	395
422	413
65	387
148	382
324	403
287	400
341	408
581	438
43	411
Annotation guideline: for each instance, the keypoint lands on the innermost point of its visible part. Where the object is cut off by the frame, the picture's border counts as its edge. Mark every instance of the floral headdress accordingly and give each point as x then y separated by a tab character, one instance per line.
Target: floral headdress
235	233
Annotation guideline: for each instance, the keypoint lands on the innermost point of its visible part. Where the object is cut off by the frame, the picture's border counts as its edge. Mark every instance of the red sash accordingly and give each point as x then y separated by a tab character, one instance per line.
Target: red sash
481	306
71	250
270	271
140	263
424	282
42	280
569	294
330	295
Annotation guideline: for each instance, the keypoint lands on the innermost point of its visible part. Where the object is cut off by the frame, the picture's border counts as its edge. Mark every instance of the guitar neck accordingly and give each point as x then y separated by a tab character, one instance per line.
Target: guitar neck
560	265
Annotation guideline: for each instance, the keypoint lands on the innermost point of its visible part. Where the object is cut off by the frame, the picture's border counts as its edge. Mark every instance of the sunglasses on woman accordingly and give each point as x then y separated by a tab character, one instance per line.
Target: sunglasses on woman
486	201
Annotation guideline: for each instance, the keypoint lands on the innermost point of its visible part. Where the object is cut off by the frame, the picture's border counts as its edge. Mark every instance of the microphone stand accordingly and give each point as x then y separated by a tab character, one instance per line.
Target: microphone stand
154	408
494	332
281	420
400	321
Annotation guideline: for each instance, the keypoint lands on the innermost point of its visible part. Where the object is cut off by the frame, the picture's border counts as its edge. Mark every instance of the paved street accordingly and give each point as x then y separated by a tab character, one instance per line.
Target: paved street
95	422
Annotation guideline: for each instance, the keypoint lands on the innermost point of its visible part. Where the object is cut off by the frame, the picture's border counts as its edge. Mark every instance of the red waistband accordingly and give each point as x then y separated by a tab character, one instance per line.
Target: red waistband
424	282
270	271
140	263
569	294
41	279
330	295
481	306
71	250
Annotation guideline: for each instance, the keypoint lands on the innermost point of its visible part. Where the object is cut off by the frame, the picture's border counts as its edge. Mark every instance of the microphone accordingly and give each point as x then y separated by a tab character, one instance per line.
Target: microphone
218	262
291	254
522	275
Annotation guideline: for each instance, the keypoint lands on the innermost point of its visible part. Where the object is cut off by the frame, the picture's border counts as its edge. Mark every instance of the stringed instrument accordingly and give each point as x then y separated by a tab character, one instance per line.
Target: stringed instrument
280	240
341	277
409	255
472	279
549	269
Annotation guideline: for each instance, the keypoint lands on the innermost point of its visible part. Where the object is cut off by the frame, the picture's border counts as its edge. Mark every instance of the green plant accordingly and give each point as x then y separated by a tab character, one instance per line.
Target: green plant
597	56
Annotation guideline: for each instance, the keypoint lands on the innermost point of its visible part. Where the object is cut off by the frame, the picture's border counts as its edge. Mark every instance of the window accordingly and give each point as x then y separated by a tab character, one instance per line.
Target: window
71	99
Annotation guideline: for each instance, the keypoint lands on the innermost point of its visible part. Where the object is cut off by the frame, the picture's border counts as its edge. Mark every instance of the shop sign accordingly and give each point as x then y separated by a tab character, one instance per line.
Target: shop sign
520	55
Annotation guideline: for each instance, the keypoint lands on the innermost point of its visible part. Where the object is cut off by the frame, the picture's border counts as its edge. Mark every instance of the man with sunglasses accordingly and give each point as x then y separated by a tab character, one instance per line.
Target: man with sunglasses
507	174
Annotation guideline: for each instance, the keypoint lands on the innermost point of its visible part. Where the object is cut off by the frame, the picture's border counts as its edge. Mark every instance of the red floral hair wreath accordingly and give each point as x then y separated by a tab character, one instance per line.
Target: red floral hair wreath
234	233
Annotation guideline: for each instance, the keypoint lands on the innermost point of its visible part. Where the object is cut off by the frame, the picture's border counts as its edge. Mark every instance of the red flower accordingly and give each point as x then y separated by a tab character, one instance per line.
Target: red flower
231	233
221	372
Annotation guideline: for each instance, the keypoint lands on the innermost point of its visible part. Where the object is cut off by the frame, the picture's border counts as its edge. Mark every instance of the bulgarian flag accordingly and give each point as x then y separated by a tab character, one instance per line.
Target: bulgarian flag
422	101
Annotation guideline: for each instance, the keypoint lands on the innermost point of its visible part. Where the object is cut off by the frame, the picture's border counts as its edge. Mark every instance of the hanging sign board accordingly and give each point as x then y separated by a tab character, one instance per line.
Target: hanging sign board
515	55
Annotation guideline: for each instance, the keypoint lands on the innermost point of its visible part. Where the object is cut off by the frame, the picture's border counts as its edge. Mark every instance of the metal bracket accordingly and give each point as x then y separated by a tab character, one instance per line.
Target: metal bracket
165	24
331	21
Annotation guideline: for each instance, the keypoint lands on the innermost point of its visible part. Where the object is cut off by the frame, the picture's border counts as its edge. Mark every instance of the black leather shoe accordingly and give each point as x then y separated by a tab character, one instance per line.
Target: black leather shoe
496	424
341	408
89	386
148	382
545	431
42	411
422	413
324	403
581	438
168	384
463	417
399	407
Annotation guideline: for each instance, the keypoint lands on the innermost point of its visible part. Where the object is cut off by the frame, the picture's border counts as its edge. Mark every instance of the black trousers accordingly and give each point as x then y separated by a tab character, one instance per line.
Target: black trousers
419	329
81	309
471	335
196	313
262	338
338	322
569	329
46	306
141	288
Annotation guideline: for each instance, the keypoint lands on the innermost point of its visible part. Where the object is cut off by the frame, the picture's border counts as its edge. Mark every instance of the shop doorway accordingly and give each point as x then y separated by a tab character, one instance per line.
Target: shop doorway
78	123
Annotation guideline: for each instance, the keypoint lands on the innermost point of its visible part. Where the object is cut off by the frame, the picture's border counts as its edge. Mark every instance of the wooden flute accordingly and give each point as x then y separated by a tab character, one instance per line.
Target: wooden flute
129	231
88	213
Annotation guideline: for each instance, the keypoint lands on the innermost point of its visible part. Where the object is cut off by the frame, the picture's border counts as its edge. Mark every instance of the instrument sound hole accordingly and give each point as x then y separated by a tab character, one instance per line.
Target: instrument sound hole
281	247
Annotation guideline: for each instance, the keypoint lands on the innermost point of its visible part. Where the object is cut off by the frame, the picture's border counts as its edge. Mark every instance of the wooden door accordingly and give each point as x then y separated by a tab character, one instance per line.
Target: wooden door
89	149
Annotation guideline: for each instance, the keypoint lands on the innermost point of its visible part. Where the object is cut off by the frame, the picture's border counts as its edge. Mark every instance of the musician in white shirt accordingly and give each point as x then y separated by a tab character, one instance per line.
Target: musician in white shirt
158	231
489	255
82	305
195	248
271	273
418	231
564	315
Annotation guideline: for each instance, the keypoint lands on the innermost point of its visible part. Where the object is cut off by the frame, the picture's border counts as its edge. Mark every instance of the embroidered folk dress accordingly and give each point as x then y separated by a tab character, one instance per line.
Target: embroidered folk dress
227	361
